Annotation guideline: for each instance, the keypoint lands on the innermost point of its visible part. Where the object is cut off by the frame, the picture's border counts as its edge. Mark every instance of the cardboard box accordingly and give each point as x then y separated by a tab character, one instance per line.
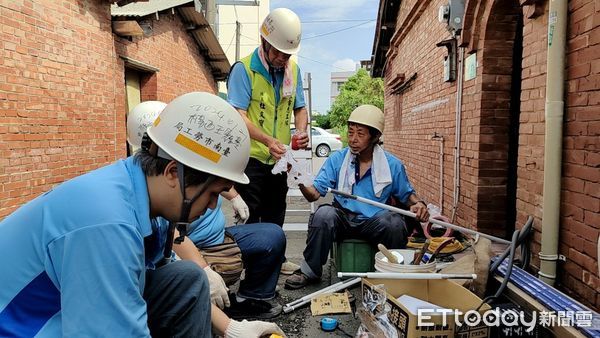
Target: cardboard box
443	293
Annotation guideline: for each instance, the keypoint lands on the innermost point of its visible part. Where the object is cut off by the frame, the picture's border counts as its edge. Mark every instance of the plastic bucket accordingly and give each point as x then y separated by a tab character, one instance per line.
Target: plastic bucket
382	264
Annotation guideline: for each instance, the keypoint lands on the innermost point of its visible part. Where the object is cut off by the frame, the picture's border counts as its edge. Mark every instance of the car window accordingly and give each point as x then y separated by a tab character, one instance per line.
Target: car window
315	132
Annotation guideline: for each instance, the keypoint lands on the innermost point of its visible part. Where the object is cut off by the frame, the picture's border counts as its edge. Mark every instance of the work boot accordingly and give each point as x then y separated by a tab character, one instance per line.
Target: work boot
252	309
288	268
299	280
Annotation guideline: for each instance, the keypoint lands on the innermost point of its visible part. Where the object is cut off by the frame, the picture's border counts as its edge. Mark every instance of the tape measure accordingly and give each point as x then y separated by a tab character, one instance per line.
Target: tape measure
329	324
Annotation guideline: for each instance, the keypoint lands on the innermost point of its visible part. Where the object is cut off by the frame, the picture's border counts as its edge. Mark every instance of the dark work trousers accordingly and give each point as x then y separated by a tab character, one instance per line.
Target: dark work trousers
266	193
263	250
178	301
330	223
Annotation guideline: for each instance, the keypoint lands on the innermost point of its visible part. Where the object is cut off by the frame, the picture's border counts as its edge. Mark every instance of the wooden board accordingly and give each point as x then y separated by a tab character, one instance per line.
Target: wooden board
127	28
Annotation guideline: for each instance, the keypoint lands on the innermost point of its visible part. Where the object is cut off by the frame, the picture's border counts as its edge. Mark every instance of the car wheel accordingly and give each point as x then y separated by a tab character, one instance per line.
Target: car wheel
323	150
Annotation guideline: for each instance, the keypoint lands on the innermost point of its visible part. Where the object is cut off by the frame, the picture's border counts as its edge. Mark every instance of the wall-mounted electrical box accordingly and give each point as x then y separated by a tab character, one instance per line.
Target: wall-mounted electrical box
452	15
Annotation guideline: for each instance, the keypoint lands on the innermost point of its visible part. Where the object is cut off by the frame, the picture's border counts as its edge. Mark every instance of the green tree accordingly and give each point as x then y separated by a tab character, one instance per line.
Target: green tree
359	89
323	121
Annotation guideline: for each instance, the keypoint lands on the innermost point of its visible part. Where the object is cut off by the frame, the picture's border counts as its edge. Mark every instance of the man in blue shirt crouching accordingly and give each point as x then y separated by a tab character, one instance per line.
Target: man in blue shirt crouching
80	260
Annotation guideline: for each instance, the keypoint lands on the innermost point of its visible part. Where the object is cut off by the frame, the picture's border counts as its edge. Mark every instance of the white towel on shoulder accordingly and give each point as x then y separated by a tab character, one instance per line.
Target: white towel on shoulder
346	176
380	172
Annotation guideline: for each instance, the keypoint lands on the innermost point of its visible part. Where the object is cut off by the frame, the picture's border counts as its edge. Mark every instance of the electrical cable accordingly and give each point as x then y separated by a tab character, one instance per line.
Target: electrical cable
525	243
323	63
230	43
336	31
511	257
522	237
300	56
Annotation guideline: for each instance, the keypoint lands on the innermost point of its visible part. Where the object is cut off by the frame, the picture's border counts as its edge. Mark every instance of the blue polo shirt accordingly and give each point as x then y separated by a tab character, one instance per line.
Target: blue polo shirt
399	188
72	260
209	229
240	94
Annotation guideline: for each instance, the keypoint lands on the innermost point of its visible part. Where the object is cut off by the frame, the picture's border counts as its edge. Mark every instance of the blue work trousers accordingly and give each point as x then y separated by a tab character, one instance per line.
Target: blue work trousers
263	250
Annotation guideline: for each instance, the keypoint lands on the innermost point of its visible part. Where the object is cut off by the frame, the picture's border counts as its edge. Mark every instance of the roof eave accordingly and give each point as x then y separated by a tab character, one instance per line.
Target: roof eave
197	26
384	29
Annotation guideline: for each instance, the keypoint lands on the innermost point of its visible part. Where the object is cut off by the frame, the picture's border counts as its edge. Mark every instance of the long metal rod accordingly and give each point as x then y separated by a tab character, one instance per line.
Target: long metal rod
330	289
316	293
408	275
410	214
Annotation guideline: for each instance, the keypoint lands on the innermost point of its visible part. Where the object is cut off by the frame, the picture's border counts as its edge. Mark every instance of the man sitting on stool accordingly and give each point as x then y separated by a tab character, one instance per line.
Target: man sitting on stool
366	170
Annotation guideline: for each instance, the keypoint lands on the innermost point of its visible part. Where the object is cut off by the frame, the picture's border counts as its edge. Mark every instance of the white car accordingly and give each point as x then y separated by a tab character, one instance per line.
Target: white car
323	142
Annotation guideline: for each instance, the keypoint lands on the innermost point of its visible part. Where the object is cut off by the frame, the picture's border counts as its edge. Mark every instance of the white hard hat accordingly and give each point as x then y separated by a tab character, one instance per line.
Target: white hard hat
139	119
368	115
282	29
204	132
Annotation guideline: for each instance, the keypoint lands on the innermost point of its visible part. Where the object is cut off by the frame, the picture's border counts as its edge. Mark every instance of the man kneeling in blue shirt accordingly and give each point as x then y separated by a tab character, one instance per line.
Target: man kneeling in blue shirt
80	260
366	170
262	245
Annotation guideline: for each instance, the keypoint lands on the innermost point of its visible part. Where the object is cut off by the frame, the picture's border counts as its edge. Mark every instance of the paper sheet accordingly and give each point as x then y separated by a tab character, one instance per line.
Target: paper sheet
332	303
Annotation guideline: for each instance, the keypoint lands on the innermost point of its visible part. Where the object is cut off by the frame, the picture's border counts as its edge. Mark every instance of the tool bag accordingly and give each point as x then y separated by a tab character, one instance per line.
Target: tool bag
225	259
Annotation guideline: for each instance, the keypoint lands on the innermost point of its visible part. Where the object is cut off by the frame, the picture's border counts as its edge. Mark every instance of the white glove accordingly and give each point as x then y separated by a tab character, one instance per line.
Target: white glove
300	174
281	166
241	210
306	180
253	329
218	289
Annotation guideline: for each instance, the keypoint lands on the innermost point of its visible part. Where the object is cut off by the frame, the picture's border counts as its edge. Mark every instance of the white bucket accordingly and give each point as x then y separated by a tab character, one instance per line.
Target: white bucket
383	265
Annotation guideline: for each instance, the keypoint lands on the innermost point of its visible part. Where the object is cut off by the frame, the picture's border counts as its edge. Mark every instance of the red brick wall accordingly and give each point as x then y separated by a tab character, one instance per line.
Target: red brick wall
530	171
580	198
580	212
62	90
428	106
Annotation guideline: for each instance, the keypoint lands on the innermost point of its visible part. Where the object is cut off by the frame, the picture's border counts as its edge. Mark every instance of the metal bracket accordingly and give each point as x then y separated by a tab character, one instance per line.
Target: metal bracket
450	44
533	8
552	258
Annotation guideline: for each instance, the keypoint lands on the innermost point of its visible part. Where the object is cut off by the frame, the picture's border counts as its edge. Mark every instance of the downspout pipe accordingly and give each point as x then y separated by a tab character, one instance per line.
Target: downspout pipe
440	138
459	91
555	80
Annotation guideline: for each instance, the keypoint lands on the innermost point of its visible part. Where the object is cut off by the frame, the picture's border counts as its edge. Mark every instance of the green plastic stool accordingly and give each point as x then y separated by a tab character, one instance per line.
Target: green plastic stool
354	255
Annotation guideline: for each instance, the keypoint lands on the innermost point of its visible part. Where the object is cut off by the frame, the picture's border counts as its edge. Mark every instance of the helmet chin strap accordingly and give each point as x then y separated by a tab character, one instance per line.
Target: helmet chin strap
266	48
186	207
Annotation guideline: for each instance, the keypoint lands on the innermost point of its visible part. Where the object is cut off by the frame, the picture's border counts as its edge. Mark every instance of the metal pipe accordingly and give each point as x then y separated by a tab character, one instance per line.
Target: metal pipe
330	289
555	82
459	91
407	275
441	139
318	292
410	214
